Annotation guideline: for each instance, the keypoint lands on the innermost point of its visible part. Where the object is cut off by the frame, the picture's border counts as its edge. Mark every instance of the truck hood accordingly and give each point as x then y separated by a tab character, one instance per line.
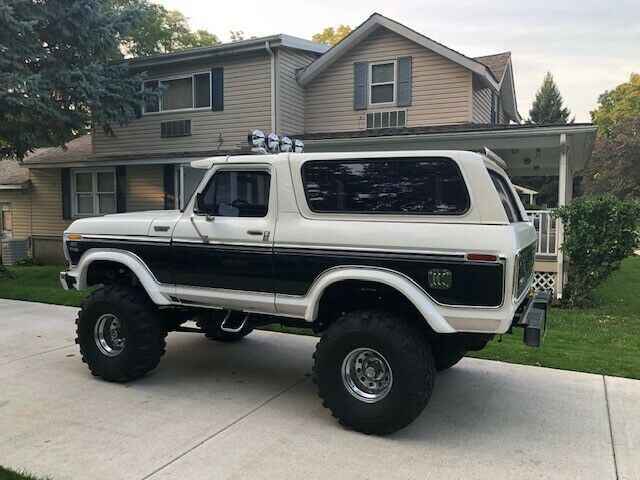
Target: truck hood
155	223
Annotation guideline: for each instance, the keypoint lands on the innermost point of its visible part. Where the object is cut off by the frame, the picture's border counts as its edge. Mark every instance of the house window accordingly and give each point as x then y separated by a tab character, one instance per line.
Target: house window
382	78
6	222
94	192
183	93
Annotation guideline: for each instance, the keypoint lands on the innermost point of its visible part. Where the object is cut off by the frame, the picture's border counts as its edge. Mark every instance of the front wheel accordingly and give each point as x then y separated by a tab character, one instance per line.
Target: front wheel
120	333
374	371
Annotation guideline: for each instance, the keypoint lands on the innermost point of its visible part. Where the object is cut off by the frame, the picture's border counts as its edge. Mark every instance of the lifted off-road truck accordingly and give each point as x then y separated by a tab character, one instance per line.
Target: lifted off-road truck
402	261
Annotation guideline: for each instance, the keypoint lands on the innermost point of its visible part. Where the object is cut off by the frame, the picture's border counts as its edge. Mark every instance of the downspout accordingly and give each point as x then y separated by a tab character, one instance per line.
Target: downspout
273	85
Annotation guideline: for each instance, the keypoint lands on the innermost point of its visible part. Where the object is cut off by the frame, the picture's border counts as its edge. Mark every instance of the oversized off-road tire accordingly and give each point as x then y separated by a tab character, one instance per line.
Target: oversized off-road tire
374	370
210	323
120	334
446	357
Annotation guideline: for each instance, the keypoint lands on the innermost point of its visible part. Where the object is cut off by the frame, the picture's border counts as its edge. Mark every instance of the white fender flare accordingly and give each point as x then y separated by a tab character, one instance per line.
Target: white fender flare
130	260
396	280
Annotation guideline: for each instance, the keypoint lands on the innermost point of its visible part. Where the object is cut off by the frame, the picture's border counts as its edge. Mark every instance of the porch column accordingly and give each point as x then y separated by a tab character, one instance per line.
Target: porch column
565	191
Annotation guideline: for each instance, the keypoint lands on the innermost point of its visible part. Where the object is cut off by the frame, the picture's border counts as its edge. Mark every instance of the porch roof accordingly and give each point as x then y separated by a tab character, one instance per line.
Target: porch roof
13	176
528	149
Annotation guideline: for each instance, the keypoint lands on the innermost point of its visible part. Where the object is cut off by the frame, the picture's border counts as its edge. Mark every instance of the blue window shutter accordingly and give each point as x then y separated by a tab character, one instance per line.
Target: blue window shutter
121	189
65	183
217	89
404	82
360	96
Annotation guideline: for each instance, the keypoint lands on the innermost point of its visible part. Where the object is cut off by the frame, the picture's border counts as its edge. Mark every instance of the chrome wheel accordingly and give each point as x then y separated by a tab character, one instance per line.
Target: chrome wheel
366	374
108	335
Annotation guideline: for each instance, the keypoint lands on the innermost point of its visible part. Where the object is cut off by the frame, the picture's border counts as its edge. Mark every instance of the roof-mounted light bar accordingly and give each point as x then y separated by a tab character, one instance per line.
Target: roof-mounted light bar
272	143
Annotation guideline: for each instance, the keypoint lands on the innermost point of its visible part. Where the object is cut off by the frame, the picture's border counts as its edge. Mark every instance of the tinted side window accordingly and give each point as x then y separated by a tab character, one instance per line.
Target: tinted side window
237	194
506	197
412	186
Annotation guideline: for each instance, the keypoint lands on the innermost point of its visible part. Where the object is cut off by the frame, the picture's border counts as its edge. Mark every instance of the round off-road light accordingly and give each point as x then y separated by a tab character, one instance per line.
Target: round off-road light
256	139
273	142
286	145
298	146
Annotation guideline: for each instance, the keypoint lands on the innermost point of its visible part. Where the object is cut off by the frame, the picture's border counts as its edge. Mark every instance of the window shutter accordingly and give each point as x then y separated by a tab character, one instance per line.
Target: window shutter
121	189
65	183
404	82
360	96
169	187
217	89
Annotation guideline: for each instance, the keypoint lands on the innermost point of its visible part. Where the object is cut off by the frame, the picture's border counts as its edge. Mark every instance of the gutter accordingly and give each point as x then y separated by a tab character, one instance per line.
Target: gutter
273	85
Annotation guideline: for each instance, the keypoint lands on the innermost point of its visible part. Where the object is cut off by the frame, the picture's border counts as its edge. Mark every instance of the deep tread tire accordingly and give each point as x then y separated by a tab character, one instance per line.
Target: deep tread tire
446	357
210	322
408	354
143	330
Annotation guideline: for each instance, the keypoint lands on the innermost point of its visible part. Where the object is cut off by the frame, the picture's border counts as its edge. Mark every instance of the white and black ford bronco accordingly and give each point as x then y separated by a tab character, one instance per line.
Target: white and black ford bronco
402	261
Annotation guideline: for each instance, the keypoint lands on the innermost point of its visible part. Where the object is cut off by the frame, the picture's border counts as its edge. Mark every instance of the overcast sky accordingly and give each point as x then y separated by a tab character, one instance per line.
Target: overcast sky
588	45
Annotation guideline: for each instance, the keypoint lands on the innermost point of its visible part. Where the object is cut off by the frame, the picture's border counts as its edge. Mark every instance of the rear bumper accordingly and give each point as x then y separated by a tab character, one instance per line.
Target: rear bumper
532	316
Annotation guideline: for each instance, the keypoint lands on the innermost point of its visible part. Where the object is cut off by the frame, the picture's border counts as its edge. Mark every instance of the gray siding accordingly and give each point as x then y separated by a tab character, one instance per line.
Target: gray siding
442	91
481	103
247	106
290	95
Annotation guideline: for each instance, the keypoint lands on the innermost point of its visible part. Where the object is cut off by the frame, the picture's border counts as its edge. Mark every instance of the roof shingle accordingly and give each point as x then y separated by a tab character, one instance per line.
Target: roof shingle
497	63
12	173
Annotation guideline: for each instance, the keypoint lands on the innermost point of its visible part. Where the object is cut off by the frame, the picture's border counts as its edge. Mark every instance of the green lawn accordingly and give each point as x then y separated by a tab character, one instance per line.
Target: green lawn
6	474
604	339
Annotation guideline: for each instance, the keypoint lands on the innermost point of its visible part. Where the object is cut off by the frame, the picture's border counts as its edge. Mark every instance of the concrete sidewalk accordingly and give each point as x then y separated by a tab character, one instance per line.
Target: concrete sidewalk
215	411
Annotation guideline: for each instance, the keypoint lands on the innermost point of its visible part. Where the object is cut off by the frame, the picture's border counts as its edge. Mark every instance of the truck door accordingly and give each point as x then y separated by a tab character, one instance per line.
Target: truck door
225	238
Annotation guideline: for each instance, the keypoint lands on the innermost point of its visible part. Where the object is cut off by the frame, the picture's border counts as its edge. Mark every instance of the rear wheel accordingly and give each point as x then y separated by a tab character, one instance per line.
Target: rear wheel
210	322
446	357
120	333
374	371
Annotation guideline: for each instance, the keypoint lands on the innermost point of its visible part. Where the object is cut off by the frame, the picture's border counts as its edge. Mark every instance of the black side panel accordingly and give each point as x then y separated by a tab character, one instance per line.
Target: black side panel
155	255
474	283
219	266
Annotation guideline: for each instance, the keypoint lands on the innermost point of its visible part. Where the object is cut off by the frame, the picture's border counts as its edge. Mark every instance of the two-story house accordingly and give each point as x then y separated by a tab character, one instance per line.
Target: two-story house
383	87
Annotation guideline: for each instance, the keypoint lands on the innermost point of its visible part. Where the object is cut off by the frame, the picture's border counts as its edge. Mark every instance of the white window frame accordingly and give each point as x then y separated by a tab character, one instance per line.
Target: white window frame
394	83
94	190
193	93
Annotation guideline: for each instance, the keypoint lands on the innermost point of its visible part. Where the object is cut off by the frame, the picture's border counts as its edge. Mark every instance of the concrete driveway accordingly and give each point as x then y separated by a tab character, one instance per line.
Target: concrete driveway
215	411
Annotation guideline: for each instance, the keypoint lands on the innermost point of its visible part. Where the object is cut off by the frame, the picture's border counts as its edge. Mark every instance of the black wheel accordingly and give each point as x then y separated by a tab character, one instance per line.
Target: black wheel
120	334
210	323
446	357
374	371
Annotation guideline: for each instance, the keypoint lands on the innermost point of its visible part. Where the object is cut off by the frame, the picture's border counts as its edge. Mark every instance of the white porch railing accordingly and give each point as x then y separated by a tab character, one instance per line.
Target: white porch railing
545	223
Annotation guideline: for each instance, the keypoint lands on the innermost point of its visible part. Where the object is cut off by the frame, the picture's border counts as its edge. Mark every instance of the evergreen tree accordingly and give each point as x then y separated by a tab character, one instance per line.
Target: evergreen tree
56	76
547	106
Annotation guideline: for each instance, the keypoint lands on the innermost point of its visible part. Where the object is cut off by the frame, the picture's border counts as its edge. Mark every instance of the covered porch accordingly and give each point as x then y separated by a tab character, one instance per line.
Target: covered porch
528	150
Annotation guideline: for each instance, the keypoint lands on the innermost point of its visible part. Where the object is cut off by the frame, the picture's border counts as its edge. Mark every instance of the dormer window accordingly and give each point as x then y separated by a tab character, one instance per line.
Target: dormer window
382	86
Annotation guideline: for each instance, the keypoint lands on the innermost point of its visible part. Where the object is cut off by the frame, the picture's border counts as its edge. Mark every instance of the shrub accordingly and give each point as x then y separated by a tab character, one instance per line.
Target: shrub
599	234
27	262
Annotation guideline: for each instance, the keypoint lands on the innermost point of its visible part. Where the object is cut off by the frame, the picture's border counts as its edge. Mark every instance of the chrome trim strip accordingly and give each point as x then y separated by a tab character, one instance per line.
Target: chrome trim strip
125	238
301	246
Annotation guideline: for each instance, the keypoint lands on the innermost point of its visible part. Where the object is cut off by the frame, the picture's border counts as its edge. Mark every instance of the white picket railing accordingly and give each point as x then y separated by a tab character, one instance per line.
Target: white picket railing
545	223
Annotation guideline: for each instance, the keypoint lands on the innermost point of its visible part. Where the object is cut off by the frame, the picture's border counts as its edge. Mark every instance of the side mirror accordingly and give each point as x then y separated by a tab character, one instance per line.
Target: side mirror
199	203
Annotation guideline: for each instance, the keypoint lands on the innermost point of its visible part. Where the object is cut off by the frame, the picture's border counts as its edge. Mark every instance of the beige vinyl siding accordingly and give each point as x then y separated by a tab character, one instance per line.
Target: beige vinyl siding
290	95
481	103
246	106
145	187
441	89
20	211
46	202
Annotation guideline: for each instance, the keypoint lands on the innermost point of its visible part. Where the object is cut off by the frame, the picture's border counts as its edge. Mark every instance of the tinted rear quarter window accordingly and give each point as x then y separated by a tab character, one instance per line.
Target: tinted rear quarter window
408	186
506	197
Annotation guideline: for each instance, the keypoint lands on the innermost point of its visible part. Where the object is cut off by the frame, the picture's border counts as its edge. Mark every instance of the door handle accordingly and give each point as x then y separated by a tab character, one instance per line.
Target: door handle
255	232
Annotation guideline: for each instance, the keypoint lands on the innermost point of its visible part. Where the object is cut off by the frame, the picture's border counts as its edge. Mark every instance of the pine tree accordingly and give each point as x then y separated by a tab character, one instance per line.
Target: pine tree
548	106
56	73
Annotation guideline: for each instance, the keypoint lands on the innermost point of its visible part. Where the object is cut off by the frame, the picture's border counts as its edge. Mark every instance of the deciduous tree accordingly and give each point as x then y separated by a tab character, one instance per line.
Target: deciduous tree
619	104
331	36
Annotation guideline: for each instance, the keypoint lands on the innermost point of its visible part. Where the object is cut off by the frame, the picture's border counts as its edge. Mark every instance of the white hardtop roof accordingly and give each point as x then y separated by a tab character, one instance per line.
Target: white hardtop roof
207	163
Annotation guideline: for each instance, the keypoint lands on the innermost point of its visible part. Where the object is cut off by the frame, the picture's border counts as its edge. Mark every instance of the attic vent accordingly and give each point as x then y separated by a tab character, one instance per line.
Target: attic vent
395	118
175	128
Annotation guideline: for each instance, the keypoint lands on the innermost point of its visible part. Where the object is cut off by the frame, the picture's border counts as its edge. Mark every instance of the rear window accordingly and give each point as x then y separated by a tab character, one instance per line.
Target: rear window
411	186
506	197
